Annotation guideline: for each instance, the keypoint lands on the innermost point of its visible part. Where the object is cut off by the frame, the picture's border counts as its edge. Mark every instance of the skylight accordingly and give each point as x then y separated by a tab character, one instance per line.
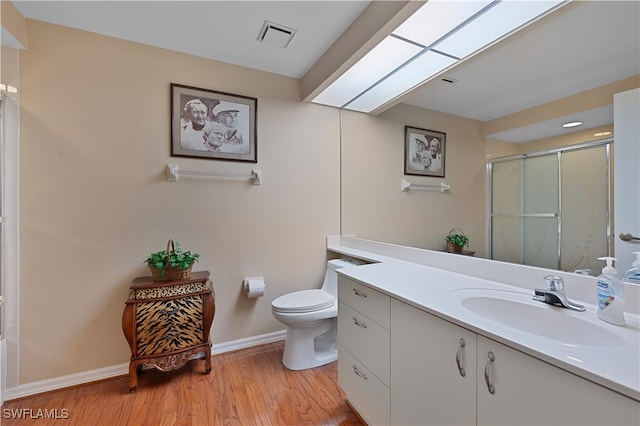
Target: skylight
435	38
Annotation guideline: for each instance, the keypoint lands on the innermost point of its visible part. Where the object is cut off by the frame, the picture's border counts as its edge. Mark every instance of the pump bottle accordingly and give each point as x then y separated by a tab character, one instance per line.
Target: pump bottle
610	294
633	274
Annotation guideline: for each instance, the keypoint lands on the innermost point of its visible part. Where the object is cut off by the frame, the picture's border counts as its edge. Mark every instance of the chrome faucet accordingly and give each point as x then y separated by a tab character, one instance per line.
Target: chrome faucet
554	294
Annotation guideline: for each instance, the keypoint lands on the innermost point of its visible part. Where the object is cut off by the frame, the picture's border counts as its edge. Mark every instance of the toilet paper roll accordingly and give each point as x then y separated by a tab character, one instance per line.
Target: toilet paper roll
254	287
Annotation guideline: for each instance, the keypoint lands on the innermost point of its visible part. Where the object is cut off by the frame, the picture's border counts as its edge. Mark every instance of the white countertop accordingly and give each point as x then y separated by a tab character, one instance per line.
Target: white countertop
437	291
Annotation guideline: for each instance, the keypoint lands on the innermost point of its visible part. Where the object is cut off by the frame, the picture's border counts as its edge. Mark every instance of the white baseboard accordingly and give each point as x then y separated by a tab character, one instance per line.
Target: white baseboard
123	369
234	345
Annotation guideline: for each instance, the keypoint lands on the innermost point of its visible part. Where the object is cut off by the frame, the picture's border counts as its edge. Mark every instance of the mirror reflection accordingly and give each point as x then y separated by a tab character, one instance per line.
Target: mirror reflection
551	209
550	200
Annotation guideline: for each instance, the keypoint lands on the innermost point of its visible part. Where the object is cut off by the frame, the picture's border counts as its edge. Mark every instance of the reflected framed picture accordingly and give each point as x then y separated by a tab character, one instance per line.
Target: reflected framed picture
424	152
213	125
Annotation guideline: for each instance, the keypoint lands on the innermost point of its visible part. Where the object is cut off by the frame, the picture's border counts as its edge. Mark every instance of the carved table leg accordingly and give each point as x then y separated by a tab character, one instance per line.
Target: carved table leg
207	360
133	377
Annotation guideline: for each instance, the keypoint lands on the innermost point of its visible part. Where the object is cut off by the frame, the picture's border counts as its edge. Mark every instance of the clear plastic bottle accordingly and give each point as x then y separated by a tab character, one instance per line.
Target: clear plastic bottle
610	294
633	274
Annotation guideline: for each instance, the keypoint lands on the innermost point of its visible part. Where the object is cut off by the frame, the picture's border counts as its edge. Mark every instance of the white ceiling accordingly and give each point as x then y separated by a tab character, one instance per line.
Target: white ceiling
584	45
223	30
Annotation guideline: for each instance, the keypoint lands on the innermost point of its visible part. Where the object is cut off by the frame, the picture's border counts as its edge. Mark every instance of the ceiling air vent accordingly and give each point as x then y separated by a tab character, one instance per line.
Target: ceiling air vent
276	34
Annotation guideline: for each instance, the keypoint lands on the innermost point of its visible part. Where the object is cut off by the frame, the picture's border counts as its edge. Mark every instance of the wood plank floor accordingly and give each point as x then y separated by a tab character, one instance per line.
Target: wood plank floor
247	387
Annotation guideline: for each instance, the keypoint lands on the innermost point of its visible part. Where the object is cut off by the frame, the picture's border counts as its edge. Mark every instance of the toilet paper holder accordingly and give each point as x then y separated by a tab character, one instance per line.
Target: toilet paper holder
253	287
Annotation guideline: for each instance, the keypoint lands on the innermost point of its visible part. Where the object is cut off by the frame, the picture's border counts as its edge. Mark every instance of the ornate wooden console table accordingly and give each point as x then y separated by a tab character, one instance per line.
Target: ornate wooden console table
167	322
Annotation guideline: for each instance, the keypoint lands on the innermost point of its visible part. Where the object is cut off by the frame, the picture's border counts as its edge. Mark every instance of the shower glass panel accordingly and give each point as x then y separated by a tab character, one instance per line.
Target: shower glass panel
507	239
525	202
507	187
507	227
540	185
585	202
540	246
552	209
540	207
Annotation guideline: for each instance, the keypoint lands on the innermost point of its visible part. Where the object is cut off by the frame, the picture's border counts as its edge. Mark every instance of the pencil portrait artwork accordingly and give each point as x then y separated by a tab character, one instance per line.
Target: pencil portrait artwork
213	125
424	152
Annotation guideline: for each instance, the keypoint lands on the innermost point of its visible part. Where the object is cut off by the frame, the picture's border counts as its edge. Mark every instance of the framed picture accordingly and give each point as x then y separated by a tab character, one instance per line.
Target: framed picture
214	125
424	152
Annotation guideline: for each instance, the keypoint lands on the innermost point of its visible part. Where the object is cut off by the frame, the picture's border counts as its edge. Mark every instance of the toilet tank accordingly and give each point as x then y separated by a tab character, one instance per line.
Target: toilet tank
330	284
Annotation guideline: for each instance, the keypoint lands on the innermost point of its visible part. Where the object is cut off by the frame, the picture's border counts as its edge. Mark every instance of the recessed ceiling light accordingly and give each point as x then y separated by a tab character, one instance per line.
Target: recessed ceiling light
572	124
601	134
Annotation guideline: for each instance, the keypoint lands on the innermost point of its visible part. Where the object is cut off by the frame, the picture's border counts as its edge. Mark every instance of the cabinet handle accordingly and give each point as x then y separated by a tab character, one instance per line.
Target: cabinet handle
359	293
358	372
487	373
459	356
357	322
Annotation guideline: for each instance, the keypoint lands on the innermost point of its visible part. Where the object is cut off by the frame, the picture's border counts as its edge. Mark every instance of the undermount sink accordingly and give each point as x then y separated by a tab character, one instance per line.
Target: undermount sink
520	311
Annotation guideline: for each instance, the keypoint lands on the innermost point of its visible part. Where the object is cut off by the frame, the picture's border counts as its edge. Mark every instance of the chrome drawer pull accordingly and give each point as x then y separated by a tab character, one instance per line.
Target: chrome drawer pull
358	372
359	293
359	323
487	373
459	356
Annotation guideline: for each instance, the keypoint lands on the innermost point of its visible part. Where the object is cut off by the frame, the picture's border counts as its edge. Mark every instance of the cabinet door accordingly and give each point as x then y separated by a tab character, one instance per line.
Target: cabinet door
427	356
366	393
367	340
528	391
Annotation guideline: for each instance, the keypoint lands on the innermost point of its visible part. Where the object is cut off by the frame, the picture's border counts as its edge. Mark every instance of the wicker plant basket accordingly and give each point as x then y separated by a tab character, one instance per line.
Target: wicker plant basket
451	246
454	248
170	273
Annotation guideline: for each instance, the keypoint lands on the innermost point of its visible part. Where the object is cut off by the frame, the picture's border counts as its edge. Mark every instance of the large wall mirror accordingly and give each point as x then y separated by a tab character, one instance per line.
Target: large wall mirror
518	93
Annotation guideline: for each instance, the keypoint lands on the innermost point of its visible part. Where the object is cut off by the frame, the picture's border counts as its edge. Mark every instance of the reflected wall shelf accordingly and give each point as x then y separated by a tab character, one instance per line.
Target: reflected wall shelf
405	185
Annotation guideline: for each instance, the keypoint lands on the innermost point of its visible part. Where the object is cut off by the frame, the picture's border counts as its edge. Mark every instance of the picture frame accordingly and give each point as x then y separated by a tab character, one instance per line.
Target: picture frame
213	125
424	152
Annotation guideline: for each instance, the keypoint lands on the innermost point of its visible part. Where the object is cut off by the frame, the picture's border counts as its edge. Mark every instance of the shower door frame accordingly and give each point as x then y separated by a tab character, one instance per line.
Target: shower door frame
607	143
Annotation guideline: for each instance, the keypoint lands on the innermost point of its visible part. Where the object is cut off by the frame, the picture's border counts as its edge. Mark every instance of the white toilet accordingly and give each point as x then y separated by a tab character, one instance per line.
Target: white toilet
311	320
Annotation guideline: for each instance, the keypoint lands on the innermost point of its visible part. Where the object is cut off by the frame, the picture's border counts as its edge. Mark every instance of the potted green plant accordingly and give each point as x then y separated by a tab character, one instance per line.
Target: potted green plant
174	263
456	240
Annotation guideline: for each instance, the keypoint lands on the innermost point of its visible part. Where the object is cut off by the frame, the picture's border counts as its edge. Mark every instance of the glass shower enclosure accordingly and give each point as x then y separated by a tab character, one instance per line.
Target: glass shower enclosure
551	209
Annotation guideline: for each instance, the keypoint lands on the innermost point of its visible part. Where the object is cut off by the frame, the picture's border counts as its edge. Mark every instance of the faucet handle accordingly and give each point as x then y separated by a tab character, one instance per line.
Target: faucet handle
554	283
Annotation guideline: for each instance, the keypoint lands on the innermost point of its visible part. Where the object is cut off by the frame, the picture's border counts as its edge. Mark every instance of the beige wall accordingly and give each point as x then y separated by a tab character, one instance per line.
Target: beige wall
374	207
95	201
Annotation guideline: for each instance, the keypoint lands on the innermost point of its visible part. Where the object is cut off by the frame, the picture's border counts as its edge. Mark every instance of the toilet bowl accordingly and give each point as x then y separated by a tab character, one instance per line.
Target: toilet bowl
311	319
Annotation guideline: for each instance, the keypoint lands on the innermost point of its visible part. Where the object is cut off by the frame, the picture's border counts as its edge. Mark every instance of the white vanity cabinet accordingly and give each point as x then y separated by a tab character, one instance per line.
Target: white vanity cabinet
499	385
528	391
433	369
364	350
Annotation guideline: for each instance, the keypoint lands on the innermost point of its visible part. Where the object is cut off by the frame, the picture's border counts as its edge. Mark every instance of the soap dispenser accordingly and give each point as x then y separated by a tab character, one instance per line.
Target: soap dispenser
610	294
633	274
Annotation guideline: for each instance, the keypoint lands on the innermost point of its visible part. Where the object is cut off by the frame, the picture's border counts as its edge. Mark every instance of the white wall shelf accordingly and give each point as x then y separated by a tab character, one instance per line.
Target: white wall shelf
173	172
405	185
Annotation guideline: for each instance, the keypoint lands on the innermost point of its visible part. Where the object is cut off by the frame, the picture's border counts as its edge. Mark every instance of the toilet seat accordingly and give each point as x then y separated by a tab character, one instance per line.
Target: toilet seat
303	301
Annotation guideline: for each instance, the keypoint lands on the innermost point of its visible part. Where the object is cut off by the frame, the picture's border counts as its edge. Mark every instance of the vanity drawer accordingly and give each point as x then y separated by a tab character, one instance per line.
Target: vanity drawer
366	393
372	303
366	340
